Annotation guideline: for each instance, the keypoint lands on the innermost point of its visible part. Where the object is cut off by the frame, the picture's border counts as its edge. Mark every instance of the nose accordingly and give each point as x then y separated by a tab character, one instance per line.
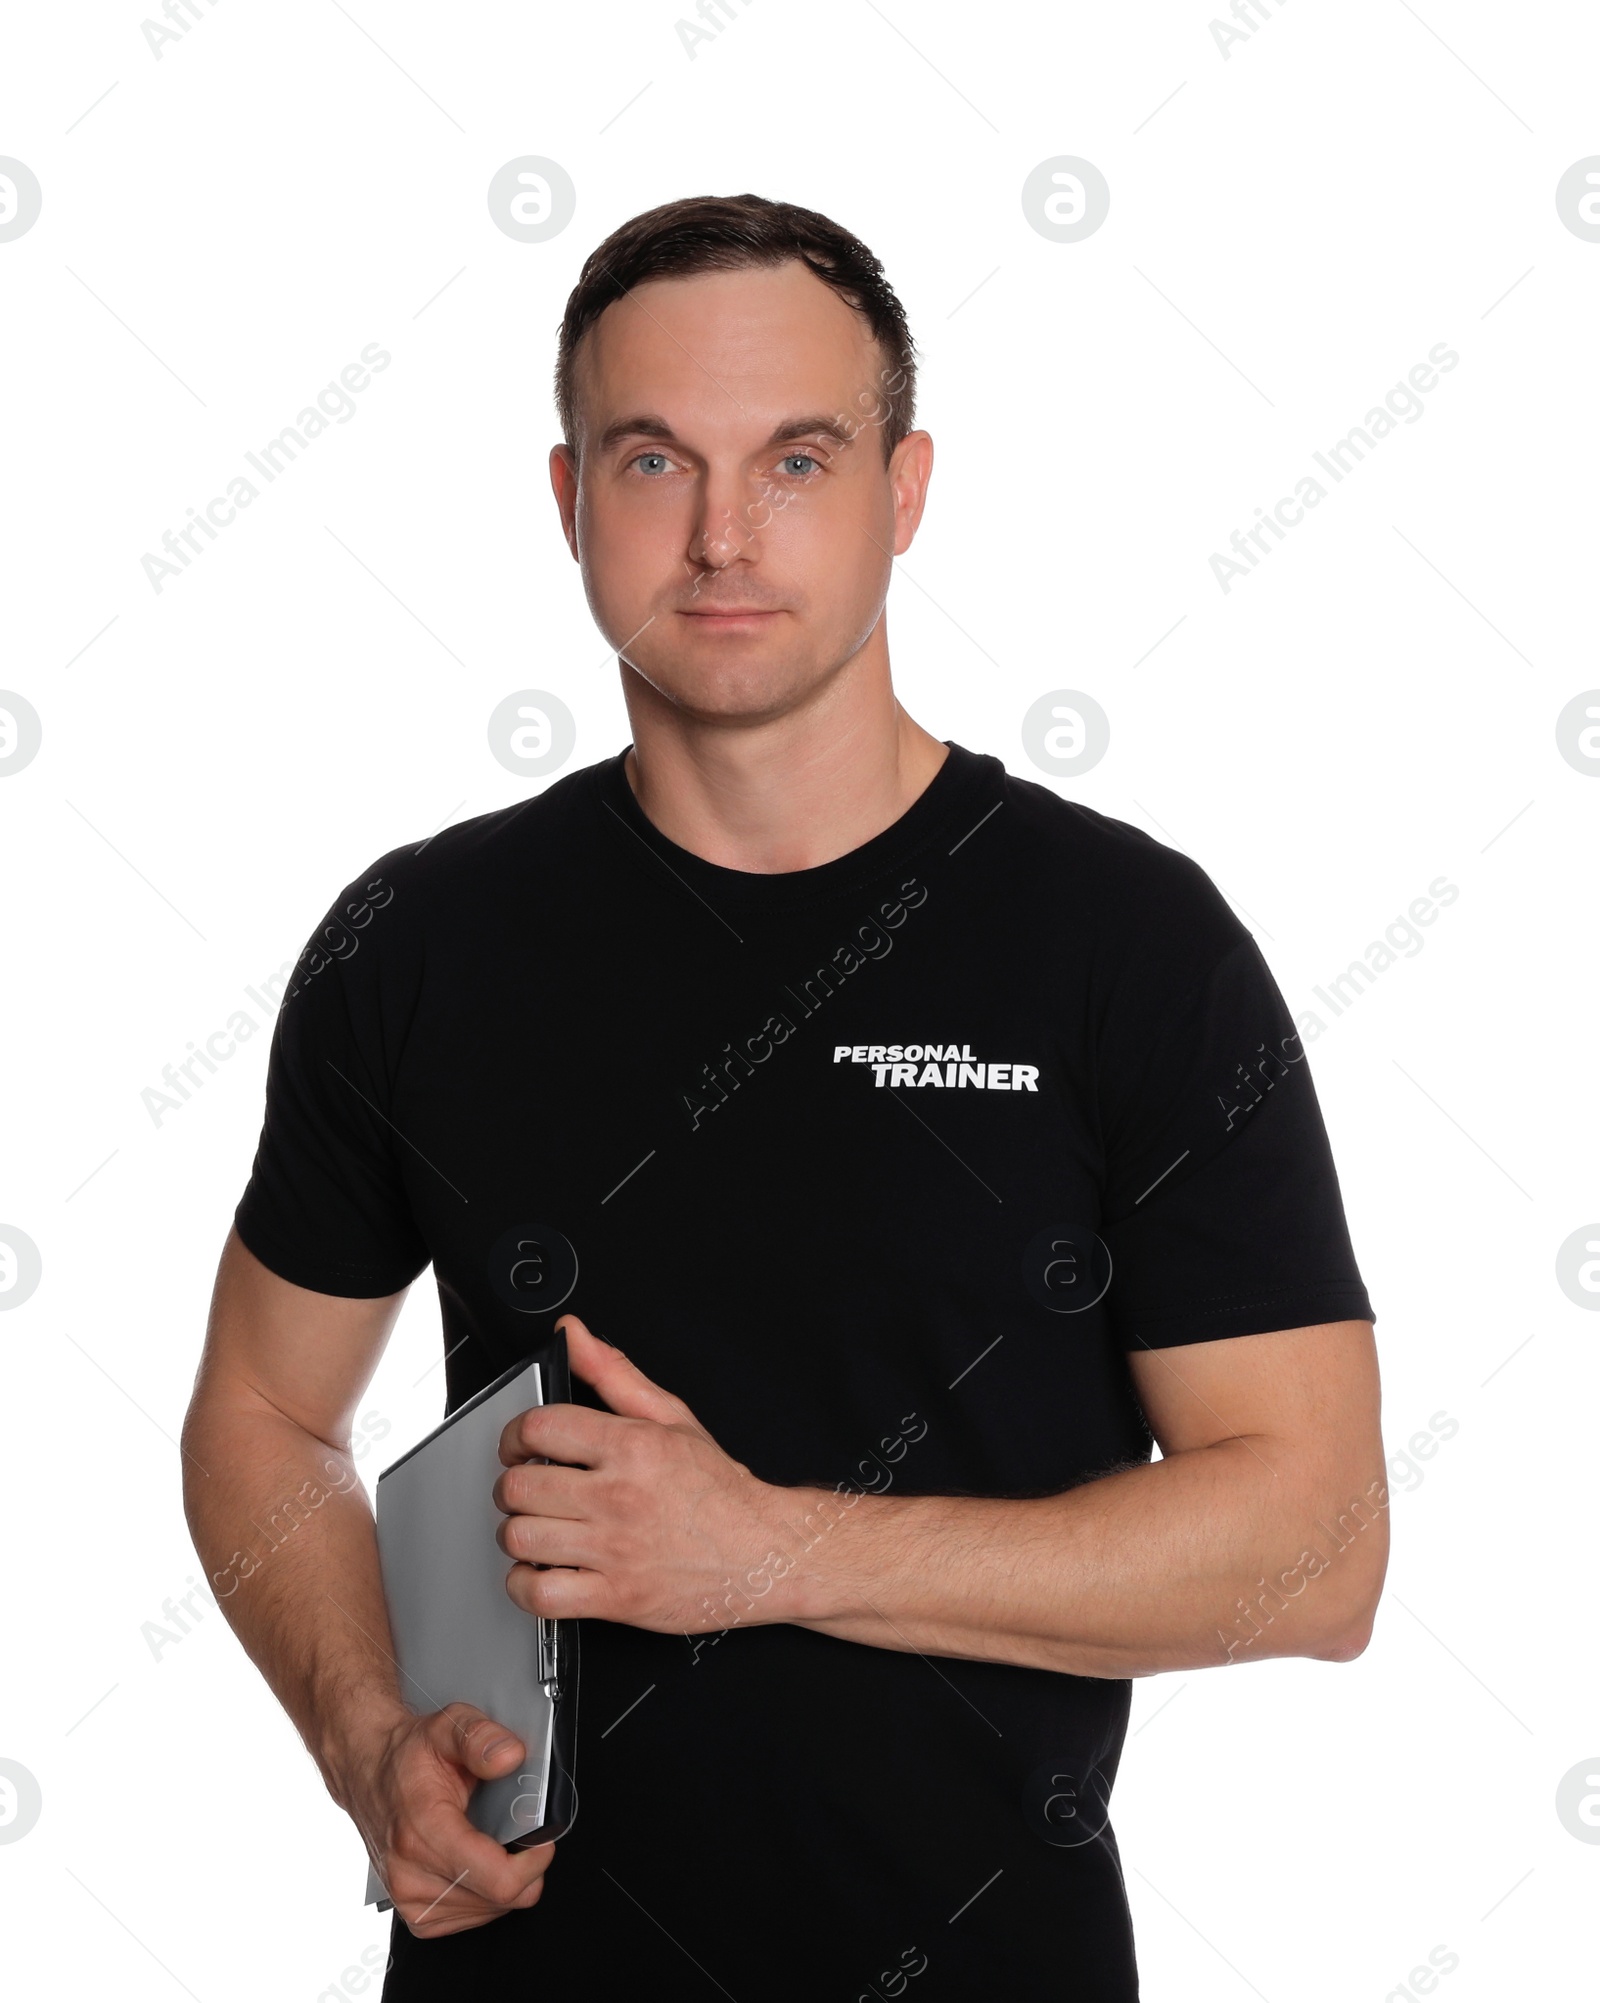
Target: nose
725	523
716	543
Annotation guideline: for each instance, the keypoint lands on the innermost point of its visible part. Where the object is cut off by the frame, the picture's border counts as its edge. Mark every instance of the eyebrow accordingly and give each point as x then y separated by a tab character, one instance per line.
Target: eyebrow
646	425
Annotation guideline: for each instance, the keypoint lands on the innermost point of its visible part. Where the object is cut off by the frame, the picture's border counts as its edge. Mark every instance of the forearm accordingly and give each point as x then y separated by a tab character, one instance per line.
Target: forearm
1206	1557
284	1529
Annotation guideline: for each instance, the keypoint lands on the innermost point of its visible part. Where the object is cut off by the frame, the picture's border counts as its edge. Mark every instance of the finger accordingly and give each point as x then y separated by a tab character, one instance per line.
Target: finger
546	1540
533	1489
560	1593
434	1916
437	1858
623	1385
470	1738
480	1867
576	1434
462	1875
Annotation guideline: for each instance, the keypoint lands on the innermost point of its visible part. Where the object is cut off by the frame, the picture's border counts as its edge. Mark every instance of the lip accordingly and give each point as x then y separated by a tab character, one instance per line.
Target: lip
728	618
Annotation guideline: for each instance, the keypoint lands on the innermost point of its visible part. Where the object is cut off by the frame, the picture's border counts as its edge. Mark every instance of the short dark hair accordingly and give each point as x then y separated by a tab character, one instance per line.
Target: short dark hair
727	233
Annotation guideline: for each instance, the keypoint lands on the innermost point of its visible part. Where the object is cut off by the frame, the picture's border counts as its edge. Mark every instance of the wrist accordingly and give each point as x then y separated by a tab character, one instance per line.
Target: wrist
812	1552
349	1745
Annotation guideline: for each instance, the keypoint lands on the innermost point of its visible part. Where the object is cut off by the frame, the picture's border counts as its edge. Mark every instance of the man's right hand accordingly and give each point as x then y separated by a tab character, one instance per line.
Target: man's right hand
408	1797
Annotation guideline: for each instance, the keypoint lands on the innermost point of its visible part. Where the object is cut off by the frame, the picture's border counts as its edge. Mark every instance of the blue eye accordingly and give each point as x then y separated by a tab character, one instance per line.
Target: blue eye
652	463
789	459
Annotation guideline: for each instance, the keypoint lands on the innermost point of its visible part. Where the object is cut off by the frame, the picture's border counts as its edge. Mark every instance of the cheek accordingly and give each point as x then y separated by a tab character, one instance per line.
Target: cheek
835	537
633	544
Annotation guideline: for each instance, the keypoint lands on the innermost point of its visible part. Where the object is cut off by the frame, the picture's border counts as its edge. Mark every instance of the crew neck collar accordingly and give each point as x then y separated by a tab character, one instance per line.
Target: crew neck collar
961	786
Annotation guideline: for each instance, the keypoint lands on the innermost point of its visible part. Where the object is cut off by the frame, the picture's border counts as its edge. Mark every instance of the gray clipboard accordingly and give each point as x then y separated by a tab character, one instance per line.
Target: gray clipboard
458	1635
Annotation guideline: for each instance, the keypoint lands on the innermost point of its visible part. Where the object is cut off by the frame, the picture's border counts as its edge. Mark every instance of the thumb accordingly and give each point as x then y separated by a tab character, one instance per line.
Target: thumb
623	1385
470	1738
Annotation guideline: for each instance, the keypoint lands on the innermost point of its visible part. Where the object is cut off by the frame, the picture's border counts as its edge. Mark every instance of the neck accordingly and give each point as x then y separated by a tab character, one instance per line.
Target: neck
784	792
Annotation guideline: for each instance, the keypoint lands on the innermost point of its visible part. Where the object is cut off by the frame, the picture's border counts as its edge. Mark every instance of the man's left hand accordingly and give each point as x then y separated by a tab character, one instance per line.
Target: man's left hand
654	1520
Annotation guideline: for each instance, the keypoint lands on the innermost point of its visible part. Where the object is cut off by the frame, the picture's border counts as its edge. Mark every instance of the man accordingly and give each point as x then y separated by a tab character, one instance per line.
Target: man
928	1144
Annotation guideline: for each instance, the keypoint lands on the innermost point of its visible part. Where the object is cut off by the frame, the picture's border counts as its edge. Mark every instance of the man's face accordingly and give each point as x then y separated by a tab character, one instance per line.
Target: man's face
731	508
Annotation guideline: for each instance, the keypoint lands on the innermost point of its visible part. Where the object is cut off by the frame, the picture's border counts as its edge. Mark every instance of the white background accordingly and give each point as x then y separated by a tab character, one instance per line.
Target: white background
1292	227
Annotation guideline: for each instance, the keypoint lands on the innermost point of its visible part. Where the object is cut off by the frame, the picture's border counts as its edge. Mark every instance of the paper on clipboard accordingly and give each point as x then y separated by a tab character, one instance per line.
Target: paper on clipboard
458	1636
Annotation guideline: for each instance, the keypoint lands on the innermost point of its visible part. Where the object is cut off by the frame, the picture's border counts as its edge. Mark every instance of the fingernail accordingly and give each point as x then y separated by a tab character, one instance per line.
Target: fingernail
495	1747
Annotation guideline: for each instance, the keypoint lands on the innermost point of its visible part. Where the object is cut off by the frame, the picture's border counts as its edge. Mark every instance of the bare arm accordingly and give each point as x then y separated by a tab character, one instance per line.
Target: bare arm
279	1517
286	1535
1263	1530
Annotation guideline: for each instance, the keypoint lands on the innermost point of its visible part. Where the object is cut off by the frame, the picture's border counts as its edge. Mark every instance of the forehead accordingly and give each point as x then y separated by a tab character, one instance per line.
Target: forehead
725	351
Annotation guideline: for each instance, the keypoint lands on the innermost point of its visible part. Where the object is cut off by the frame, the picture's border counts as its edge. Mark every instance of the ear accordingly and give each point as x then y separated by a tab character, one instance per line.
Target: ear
564	485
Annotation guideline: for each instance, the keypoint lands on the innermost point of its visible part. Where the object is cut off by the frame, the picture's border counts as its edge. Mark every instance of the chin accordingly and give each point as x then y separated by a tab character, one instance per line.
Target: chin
727	690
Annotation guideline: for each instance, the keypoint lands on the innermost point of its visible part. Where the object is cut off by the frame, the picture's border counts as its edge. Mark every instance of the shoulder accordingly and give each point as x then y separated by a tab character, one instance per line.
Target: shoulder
474	862
1118	886
459	882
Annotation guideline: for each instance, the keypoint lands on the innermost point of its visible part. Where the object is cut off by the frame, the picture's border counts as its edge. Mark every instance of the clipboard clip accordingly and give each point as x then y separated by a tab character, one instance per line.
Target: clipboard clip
550	1653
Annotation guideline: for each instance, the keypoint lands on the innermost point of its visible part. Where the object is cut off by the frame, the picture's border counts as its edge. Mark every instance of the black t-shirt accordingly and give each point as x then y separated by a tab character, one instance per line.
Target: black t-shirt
883	1167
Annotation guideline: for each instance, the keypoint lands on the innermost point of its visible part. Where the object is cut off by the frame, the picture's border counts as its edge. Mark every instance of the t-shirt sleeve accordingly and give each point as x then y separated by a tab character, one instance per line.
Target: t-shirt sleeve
326	1205
1221	1207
